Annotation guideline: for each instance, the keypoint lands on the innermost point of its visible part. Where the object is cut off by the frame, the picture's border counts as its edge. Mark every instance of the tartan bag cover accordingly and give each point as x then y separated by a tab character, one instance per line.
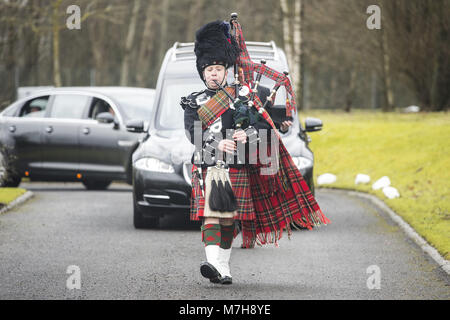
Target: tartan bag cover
249	67
282	198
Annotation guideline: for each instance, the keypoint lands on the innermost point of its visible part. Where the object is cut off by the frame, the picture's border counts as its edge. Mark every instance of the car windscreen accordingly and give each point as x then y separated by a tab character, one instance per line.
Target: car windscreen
135	105
170	114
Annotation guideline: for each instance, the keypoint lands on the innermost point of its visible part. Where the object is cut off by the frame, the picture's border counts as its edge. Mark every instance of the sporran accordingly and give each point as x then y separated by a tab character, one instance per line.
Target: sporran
220	201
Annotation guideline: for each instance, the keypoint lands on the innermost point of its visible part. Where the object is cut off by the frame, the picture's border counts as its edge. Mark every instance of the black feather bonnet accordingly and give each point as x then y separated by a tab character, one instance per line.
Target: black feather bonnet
215	45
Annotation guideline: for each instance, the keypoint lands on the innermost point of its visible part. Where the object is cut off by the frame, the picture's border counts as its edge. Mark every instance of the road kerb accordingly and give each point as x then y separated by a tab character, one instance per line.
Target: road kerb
27	195
410	232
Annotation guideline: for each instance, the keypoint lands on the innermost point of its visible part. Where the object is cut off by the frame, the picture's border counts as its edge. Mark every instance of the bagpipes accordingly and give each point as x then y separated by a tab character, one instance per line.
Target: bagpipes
246	106
249	67
219	197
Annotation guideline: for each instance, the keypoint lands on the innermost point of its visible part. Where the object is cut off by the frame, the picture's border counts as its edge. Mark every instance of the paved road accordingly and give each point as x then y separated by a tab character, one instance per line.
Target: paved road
66	225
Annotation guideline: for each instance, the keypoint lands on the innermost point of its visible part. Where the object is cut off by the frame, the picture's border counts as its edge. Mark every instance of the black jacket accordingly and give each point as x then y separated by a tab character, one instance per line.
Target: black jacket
190	107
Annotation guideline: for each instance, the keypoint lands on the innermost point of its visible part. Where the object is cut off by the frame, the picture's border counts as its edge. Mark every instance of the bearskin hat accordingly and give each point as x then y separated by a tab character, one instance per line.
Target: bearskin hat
215	45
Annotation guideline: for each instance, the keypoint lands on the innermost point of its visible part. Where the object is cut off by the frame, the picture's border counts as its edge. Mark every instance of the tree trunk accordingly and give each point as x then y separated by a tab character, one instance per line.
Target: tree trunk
306	90
388	105
146	48
287	38
351	90
297	52
55	36
97	33
196	11
164	29
440	95
126	60
333	90
9	89
374	91
98	63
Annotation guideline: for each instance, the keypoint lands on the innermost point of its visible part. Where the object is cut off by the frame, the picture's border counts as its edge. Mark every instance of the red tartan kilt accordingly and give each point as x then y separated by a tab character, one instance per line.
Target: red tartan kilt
276	210
278	203
241	188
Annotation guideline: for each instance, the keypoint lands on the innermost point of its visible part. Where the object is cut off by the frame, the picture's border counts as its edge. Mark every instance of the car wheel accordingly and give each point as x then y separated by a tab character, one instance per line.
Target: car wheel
141	222
10	182
7	178
96	185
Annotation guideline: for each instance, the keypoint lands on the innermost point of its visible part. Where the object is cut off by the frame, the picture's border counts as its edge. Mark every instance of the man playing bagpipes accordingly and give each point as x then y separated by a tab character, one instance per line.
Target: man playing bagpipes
241	169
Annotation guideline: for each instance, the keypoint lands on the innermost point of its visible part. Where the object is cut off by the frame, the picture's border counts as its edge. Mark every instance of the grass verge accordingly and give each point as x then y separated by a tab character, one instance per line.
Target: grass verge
413	150
9	194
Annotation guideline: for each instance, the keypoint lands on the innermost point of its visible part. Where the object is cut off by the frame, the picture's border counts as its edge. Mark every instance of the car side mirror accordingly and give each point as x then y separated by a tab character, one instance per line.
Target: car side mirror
105	117
313	124
135	126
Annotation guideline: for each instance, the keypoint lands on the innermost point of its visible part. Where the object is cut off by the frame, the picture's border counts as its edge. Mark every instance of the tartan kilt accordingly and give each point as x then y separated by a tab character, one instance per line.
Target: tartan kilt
267	204
281	201
241	188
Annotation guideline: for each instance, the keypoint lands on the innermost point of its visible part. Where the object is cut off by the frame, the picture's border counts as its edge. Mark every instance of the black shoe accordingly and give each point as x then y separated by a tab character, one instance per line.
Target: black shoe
226	280
215	280
209	271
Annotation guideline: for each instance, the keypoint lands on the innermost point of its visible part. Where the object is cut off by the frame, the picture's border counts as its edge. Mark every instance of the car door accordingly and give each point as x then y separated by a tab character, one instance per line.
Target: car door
23	133
100	153
60	144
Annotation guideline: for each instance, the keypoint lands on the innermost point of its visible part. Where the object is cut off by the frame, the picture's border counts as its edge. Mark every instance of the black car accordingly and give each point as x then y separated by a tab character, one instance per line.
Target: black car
73	134
161	163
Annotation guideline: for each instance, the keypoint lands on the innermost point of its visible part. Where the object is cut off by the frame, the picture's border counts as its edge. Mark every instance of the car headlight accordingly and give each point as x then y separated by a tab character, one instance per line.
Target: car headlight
152	164
302	162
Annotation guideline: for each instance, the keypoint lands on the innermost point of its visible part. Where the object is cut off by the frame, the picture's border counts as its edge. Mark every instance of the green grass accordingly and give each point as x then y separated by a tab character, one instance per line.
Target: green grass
413	150
9	194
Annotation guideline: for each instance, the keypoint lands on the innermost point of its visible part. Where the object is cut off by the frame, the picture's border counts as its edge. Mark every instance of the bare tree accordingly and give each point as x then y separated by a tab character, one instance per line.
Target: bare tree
195	11
417	37
335	61
49	18
124	78
387	74
298	50
147	45
164	28
287	33
292	31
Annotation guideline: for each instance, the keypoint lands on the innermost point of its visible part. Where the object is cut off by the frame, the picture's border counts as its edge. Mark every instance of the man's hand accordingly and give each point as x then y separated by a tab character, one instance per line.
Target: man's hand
227	145
285	125
240	135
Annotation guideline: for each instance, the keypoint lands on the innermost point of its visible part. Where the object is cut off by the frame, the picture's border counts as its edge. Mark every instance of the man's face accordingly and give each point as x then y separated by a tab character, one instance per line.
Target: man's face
215	72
